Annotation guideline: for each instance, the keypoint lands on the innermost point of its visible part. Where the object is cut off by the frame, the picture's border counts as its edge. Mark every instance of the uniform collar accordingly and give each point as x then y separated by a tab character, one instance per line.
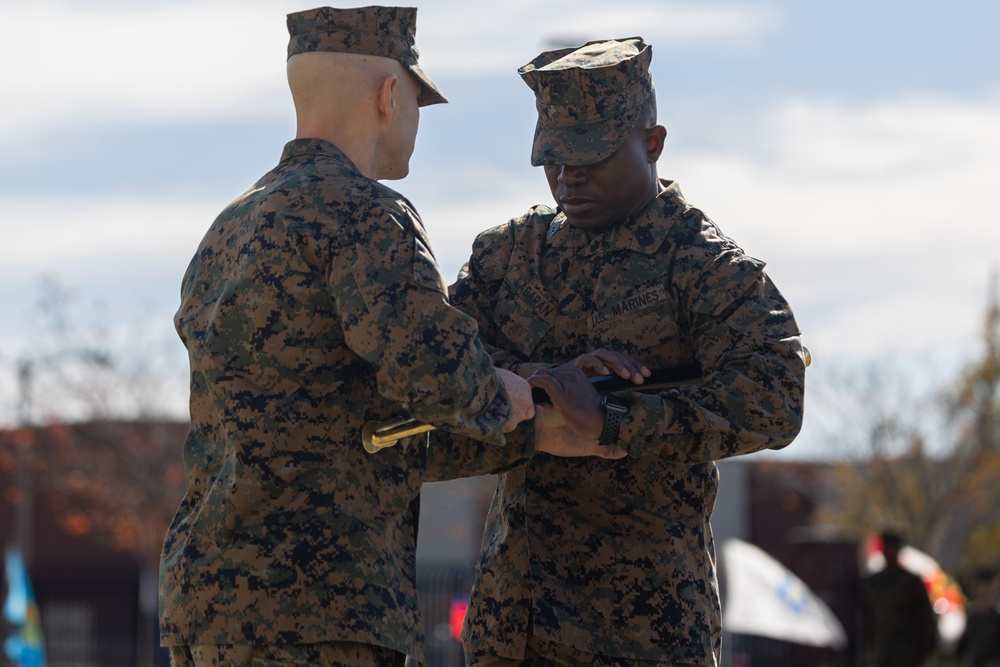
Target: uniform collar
312	147
643	231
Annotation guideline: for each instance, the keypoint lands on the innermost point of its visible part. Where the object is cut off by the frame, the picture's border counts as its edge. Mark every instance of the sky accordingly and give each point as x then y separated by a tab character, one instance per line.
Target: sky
853	146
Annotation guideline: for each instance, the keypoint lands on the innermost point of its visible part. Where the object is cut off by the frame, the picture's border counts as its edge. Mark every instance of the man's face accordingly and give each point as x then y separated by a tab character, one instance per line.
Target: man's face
597	196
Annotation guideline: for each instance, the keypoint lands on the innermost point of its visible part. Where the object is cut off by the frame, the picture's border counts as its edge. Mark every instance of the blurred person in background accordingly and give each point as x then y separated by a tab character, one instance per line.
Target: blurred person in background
979	645
899	627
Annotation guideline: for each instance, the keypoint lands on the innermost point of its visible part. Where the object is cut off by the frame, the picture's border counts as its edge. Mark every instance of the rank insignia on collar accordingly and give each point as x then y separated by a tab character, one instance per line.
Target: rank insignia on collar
554	227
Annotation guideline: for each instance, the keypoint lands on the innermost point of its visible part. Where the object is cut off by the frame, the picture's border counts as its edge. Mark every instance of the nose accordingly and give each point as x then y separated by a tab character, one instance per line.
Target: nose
572	175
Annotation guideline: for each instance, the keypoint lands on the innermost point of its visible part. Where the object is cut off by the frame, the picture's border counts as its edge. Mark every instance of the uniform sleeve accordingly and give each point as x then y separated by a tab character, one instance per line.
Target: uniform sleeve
395	312
450	456
747	343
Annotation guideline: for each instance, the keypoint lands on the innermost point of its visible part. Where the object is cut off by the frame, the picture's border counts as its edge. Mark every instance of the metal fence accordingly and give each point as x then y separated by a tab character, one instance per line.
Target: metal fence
96	622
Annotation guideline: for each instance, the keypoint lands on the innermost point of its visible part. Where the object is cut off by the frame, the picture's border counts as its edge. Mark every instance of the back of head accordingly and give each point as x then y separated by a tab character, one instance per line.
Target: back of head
356	83
891	539
589	99
333	84
891	544
374	31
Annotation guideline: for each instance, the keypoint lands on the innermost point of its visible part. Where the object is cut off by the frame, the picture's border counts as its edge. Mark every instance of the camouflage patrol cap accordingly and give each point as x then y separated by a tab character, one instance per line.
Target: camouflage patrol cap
588	99
388	32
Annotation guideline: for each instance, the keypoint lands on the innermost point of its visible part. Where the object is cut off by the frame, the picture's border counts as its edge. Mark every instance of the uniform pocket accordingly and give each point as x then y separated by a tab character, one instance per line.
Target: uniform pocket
523	313
642	323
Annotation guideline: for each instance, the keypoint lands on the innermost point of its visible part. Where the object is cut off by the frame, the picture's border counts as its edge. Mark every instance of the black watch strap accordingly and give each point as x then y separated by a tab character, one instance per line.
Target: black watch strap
614	412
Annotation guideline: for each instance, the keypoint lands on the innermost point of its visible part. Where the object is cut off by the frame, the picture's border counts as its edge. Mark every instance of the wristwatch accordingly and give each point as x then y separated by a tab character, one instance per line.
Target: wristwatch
614	412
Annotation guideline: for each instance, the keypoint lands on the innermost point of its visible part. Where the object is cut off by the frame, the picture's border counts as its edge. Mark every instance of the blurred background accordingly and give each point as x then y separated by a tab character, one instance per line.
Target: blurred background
853	146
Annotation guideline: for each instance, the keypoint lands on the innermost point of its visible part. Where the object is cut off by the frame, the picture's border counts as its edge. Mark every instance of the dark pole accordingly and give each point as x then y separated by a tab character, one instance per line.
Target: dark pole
24	510
25	475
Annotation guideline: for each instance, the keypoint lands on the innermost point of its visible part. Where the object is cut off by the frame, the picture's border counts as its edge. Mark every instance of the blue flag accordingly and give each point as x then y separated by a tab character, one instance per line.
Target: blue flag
24	645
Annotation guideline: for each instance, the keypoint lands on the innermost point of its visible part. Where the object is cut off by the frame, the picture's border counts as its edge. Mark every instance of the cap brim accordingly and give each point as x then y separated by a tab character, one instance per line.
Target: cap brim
429	93
580	145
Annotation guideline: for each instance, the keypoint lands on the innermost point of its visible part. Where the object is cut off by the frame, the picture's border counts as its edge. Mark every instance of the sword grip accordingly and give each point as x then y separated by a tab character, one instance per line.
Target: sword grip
662	378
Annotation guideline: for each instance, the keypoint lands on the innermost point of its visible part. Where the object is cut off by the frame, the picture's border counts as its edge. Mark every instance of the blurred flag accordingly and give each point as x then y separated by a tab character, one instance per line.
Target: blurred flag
24	644
945	594
456	616
764	598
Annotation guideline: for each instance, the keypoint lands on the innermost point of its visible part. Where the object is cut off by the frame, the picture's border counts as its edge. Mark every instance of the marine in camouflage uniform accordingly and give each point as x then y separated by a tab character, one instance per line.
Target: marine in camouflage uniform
312	305
588	561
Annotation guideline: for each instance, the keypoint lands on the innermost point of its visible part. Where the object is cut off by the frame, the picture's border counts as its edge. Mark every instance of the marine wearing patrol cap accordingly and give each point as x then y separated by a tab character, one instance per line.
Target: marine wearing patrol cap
387	32
588	99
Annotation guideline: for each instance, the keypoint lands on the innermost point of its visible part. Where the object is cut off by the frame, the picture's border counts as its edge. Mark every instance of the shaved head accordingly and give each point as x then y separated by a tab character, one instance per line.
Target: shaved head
335	83
365	105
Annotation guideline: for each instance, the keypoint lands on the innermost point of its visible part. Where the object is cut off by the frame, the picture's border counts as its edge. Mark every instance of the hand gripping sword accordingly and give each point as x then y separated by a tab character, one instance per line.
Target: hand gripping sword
379	435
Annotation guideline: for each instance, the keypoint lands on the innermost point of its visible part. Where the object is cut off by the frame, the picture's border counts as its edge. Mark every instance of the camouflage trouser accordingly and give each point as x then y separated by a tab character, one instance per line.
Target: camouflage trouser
327	654
542	653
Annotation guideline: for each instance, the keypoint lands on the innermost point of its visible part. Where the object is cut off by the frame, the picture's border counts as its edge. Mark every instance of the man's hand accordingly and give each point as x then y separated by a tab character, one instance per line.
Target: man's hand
519	392
606	362
573	425
554	437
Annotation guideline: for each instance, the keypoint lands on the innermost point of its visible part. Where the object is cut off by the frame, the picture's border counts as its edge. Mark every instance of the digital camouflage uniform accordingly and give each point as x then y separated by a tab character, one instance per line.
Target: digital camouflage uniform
313	305
616	557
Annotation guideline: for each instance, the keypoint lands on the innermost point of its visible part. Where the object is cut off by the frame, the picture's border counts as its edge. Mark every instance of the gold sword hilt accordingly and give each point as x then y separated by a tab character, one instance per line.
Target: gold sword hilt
376	436
379	435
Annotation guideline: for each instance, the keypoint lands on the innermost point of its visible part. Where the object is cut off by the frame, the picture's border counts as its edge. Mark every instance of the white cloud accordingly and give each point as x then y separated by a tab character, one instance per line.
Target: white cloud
51	232
89	62
77	63
508	34
881	221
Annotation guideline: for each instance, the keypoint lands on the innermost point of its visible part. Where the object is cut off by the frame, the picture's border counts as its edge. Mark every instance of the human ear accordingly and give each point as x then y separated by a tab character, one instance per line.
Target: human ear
387	98
655	137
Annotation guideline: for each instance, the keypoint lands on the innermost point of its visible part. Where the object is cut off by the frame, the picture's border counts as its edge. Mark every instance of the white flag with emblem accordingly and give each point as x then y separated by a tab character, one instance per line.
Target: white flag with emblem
764	598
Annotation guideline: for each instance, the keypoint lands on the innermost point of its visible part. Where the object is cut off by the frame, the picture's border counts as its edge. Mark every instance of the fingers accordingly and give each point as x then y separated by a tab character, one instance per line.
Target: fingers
610	452
568	389
623	365
574	397
606	362
618	363
542	379
590	364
